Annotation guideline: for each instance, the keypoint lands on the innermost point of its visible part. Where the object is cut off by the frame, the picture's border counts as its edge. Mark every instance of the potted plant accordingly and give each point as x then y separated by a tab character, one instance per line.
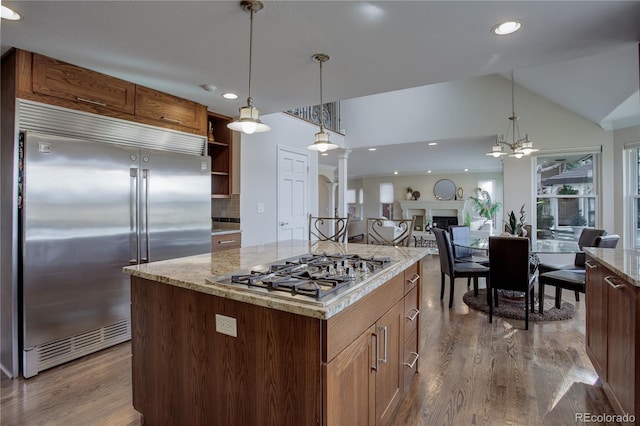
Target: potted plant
578	222
483	205
409	192
515	226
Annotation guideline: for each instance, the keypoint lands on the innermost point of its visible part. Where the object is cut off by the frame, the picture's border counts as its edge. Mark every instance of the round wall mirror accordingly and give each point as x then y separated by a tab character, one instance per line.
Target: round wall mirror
444	190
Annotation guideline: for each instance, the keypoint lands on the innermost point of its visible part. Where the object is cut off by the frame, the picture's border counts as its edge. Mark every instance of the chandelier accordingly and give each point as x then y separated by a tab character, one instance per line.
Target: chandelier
519	146
249	120
322	142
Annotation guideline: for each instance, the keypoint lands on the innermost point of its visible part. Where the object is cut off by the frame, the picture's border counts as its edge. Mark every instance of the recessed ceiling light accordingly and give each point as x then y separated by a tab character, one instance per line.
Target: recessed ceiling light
466	170
230	96
372	149
507	27
395	173
433	143
428	171
10	14
324	154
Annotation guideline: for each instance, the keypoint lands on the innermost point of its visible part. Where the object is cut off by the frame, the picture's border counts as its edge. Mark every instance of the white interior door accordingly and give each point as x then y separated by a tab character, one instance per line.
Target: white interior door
293	194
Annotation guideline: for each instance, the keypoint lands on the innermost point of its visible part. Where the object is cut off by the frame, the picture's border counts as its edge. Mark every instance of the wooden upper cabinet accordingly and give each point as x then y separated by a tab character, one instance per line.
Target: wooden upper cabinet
60	79
169	109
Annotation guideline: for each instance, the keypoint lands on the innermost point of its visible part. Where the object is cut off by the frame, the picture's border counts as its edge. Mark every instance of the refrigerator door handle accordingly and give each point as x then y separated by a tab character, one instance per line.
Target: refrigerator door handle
145	177
133	219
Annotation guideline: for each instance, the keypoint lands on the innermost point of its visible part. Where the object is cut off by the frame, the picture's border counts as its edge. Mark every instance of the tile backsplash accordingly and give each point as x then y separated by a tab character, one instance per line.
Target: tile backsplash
225	213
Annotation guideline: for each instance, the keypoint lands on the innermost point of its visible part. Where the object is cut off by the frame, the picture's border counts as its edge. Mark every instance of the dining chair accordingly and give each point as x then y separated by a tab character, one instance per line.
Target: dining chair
391	232
586	239
569	279
509	270
462	250
448	266
328	228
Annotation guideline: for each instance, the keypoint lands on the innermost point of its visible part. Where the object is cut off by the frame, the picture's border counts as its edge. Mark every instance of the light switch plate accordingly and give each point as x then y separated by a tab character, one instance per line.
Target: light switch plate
260	207
226	325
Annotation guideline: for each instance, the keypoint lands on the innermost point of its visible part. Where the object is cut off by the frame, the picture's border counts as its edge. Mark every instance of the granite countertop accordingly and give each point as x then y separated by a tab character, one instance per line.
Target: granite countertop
623	262
192	272
225	231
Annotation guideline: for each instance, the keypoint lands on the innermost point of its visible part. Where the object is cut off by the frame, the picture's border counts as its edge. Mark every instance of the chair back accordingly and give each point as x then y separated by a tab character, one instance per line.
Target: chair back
328	228
509	263
390	232
588	236
460	234
606	241
445	252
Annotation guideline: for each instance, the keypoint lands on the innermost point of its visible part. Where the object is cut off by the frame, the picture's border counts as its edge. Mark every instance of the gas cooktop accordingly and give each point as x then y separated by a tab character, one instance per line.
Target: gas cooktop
311	278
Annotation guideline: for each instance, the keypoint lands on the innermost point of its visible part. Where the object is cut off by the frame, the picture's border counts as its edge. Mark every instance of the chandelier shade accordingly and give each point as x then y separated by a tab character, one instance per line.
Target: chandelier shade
249	119
322	142
519	146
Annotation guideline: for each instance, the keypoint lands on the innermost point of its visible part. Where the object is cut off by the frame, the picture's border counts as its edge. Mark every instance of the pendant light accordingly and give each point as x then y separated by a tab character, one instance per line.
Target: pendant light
519	146
249	120
322	142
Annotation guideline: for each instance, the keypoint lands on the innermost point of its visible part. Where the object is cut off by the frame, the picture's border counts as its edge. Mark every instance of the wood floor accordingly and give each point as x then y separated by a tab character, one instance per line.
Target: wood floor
472	373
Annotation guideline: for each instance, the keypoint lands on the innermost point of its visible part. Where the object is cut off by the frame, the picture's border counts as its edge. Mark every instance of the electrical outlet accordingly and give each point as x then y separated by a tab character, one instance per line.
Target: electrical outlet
260	207
226	325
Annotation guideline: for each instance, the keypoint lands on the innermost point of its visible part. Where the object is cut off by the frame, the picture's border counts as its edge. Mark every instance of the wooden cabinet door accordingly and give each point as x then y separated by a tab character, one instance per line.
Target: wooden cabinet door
62	80
390	353
596	301
350	384
170	109
621	361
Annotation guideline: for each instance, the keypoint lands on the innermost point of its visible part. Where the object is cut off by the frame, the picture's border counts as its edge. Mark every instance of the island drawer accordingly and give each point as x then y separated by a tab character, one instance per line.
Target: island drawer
411	277
226	241
411	313
410	359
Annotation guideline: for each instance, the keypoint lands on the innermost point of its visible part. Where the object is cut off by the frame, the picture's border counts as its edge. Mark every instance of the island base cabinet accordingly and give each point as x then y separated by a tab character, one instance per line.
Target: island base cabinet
350	379
613	336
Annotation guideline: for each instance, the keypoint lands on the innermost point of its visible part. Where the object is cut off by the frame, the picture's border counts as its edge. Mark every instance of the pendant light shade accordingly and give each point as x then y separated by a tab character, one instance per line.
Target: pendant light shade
249	120
322	143
519	146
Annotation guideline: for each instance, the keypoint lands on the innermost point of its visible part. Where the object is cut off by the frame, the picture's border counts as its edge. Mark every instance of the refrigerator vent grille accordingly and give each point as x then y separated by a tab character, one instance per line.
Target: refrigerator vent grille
67	122
64	350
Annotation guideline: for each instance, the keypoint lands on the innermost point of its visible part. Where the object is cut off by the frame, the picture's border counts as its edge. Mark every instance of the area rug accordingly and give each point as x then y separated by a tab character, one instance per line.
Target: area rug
513	307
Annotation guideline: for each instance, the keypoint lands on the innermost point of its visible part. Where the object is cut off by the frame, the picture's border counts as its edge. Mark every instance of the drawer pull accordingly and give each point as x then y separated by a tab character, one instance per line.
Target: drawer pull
172	120
374	366
89	101
226	242
414	279
590	264
414	314
415	359
384	330
609	281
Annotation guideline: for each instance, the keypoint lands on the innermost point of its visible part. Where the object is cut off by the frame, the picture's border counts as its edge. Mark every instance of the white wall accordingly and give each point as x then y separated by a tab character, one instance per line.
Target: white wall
630	135
258	174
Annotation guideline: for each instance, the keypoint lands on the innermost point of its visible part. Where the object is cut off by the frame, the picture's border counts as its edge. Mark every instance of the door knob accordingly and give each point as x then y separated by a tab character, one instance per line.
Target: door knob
284	223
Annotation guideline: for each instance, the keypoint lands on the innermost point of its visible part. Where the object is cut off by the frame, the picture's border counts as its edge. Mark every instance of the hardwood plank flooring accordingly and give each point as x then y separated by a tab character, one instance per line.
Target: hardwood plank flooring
471	373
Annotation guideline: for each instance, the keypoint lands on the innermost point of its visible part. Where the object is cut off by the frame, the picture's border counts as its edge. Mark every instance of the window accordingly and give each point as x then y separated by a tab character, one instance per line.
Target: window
566	195
632	196
386	200
354	206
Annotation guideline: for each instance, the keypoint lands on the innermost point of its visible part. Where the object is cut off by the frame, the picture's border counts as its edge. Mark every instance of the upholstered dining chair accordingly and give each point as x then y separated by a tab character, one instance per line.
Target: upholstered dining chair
328	228
587	239
570	279
448	266
390	232
509	270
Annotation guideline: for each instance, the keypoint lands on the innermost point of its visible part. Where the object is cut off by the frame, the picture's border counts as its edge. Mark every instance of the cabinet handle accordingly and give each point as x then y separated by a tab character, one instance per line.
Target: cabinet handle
415	359
226	242
374	367
414	314
89	101
609	281
413	279
590	264
172	120
383	329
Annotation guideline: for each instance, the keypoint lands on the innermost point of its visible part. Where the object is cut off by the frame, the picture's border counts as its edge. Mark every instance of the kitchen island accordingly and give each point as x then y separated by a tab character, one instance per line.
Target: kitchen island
209	353
613	326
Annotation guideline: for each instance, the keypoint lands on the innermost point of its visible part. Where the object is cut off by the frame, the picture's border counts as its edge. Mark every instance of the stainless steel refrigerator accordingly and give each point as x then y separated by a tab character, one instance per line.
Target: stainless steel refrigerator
89	208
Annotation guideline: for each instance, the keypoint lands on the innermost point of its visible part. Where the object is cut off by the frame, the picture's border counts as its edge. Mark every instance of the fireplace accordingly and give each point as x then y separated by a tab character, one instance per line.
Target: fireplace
443	222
